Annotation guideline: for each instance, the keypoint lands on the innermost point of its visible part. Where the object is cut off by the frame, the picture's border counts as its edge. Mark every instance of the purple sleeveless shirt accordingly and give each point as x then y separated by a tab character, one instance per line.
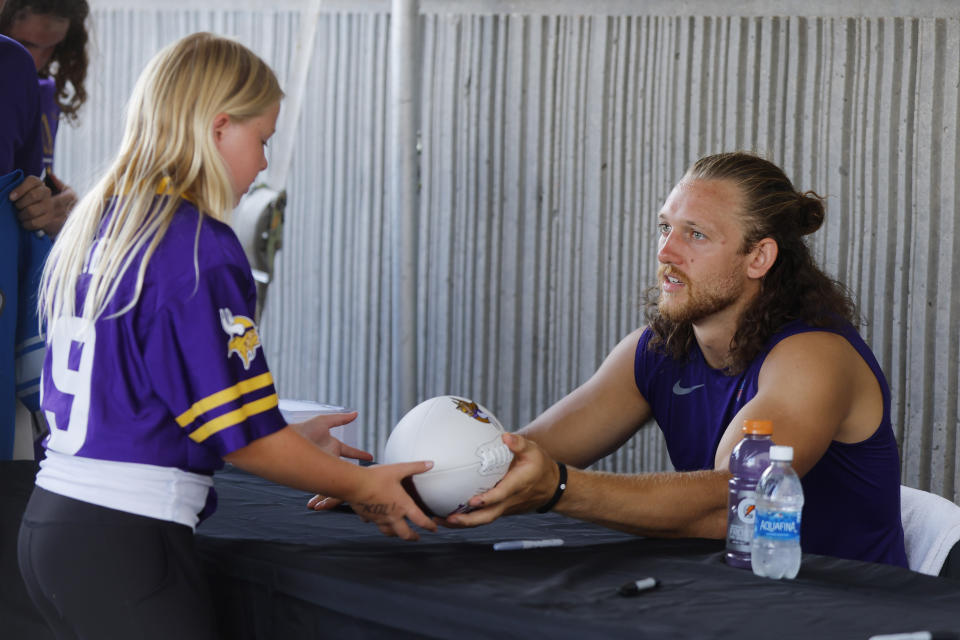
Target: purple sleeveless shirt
852	494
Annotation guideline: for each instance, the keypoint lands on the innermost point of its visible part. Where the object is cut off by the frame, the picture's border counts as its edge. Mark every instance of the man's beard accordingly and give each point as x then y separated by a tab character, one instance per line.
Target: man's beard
699	303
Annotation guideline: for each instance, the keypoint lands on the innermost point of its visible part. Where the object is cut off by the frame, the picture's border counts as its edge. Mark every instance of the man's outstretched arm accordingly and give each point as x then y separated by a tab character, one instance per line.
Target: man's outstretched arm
597	417
666	505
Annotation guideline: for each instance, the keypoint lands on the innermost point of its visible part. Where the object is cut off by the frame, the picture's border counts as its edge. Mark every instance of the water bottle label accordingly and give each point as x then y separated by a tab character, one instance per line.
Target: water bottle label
778	525
740	533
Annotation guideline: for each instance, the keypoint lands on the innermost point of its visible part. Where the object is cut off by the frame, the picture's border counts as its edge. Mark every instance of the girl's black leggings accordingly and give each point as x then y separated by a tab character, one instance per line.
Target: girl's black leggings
96	572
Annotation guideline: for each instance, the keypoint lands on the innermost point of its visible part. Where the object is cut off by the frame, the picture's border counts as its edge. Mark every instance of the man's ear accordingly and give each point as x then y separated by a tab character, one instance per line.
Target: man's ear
762	257
220	122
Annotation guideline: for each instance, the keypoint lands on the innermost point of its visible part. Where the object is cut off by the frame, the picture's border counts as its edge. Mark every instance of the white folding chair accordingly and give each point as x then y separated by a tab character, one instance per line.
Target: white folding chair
931	528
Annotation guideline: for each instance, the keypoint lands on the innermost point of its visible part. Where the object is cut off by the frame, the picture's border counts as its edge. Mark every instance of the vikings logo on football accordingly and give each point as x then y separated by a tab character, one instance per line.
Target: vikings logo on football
471	408
244	339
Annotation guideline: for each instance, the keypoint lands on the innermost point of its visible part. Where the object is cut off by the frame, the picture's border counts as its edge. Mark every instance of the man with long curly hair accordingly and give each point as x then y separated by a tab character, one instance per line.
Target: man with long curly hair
741	324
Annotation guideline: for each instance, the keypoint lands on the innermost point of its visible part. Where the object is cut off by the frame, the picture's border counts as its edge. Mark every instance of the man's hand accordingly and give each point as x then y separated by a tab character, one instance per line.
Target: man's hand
38	208
64	199
528	485
382	500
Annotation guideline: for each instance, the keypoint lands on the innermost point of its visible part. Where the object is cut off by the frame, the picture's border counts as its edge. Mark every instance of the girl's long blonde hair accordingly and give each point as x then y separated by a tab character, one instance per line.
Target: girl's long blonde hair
168	148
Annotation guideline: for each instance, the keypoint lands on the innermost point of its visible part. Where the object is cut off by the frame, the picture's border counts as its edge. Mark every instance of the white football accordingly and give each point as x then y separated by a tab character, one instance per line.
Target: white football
462	438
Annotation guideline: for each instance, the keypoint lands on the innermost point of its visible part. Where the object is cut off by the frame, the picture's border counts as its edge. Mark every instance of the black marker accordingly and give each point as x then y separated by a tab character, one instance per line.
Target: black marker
637	587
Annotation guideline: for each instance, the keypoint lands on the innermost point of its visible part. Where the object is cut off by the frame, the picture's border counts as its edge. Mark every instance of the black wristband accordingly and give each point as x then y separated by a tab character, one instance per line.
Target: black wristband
561	487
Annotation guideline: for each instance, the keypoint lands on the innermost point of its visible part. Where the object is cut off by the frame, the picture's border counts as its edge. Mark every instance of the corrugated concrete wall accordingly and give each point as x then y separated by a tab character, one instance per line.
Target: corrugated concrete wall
548	142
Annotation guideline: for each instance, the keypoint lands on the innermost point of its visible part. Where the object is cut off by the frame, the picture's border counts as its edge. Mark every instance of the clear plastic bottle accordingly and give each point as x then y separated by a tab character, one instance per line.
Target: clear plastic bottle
775	550
747	461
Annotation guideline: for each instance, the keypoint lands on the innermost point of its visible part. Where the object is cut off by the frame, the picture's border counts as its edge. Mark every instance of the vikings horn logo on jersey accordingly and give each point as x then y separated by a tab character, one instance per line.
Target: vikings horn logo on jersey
244	339
470	408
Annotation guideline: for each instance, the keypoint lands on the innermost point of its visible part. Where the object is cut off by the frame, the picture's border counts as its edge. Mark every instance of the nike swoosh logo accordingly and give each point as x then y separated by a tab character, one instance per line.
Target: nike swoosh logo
682	391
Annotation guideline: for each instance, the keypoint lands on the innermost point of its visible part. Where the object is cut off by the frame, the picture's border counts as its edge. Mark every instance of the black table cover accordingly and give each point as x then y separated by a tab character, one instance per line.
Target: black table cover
279	570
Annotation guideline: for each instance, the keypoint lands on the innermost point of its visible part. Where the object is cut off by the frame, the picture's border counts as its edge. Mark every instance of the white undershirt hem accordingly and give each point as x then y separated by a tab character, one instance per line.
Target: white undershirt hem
165	493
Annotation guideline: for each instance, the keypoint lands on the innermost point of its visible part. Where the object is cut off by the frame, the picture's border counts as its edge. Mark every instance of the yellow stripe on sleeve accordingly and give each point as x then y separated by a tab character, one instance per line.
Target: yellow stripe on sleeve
222	397
234	417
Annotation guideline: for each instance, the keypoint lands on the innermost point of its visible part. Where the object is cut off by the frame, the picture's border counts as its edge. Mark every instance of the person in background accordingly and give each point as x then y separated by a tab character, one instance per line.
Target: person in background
21	252
21	259
742	324
54	32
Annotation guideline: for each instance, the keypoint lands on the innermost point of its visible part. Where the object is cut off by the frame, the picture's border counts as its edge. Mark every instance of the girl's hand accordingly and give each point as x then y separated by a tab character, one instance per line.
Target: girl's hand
323	503
381	499
317	430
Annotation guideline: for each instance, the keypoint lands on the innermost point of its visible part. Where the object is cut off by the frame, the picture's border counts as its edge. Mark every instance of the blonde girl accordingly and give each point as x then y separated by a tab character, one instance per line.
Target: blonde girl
154	373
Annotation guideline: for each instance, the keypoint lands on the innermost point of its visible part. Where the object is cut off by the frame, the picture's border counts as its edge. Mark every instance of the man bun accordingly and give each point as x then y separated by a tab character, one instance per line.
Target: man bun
811	212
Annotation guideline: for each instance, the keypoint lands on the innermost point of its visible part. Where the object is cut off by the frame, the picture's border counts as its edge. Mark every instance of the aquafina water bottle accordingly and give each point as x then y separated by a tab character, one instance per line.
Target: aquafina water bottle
775	550
748	460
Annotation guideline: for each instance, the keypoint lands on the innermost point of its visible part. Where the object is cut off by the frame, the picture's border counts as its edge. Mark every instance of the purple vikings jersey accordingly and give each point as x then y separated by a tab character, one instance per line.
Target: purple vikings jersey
180	380
49	119
852	494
